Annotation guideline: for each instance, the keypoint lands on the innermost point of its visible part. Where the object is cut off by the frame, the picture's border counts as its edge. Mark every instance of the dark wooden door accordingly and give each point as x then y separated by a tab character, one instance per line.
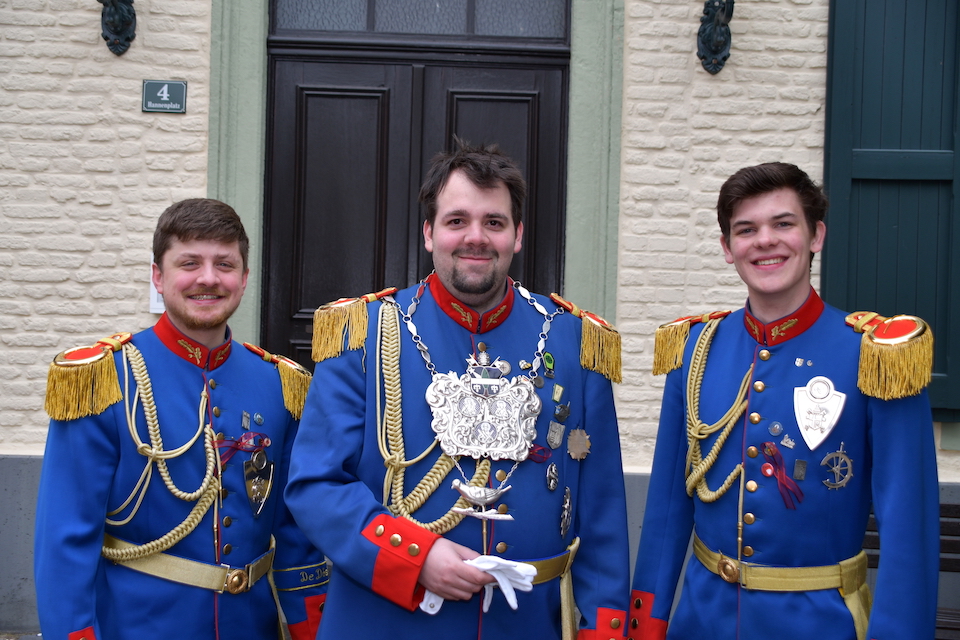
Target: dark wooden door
891	170
353	121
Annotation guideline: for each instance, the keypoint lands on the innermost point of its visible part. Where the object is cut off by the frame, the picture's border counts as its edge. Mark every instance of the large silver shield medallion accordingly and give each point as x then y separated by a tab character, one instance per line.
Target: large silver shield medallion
482	415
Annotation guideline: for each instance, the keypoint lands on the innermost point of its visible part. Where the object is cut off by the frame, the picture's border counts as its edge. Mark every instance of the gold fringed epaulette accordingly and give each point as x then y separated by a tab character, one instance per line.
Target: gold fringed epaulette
671	339
896	354
83	381
346	317
599	343
294	379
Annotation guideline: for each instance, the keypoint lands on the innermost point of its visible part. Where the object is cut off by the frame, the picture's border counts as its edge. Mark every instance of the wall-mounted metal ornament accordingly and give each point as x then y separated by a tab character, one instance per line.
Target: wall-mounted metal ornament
713	38
118	21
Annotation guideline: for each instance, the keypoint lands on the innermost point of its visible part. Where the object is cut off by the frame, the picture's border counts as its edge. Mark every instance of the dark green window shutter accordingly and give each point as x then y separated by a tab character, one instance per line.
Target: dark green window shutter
893	230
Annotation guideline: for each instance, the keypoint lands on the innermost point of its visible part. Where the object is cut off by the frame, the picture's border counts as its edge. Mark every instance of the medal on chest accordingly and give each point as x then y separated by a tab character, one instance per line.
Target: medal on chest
817	407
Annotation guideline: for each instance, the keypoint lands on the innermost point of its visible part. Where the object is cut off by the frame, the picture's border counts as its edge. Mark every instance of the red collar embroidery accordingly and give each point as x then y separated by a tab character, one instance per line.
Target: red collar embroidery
463	314
189	350
787	327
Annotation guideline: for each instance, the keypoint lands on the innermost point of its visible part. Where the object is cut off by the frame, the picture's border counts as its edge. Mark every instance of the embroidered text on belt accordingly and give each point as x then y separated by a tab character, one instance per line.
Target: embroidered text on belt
220	578
847	576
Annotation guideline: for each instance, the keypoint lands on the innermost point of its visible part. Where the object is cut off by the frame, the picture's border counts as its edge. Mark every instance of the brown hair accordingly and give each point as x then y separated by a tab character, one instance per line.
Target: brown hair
764	178
484	165
199	219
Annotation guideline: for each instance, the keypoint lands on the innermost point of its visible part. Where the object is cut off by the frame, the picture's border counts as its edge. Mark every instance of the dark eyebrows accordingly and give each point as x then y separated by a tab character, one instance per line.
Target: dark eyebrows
777	217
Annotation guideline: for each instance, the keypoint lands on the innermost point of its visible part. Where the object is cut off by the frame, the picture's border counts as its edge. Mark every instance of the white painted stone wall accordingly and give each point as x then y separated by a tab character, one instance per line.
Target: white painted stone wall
684	132
84	174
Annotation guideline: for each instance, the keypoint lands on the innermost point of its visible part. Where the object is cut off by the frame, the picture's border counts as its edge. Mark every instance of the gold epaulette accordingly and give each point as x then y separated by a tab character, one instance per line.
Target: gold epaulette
599	344
896	354
83	381
671	339
346	317
294	379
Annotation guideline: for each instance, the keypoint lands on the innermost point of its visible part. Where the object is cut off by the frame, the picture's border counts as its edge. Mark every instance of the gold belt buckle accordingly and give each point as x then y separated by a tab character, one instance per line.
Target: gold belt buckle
237	581
728	569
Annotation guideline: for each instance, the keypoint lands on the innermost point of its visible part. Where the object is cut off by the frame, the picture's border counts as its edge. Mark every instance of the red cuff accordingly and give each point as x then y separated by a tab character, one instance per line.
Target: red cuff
83	634
610	625
307	630
403	550
642	625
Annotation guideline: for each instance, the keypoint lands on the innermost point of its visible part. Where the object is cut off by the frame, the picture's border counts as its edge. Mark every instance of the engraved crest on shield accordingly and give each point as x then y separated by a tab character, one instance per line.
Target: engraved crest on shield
817	407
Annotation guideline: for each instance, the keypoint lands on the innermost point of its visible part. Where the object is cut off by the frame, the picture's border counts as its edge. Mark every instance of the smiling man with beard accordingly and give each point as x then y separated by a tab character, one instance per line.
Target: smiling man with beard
161	510
459	417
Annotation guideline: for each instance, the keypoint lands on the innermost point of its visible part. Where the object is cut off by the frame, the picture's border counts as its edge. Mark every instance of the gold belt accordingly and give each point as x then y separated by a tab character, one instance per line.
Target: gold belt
847	576
217	578
554	567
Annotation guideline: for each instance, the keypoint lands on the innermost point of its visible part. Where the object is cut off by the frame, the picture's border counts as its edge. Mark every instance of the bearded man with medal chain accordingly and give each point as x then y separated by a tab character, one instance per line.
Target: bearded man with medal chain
459	439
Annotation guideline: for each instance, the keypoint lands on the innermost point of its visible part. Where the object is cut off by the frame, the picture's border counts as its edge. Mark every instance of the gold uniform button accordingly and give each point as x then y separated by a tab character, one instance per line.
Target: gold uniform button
758	386
227	521
637	603
501	547
502	508
634	623
395	540
219	435
748	551
501	475
227	548
379	531
216	412
755	417
753	452
764	354
213	383
615	623
751	486
223	494
414	549
749	518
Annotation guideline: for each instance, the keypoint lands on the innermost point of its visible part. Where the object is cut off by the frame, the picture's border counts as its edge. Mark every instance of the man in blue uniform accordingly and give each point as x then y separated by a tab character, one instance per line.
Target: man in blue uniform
782	424
462	433
161	513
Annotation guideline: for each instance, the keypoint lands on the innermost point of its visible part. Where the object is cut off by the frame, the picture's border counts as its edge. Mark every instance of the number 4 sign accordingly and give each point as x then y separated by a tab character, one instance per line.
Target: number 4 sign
168	96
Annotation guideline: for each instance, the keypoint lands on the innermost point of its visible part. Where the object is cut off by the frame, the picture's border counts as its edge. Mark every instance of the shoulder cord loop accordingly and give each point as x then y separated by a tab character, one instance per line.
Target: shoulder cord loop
390	437
154	452
696	430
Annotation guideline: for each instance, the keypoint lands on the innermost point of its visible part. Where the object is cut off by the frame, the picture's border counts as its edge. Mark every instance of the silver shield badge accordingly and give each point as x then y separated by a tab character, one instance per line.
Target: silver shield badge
258	478
817	408
481	416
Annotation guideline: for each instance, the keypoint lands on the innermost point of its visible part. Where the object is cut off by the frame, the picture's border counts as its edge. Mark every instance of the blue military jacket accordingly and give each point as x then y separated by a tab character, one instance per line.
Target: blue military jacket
804	501
91	466
336	488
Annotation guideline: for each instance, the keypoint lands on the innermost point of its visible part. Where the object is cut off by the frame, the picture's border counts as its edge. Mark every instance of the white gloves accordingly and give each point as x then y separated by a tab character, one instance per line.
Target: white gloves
511	576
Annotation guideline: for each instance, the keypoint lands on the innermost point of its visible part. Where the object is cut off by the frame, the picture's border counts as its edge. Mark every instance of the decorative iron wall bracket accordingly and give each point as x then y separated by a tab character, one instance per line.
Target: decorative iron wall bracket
118	21
713	38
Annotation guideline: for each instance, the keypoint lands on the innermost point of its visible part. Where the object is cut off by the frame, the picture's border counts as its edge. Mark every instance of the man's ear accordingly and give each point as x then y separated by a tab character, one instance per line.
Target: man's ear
428	236
157	276
727	254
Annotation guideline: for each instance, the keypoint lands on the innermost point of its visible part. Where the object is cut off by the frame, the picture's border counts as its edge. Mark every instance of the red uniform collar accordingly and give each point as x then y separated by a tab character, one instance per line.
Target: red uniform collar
463	314
787	327
190	350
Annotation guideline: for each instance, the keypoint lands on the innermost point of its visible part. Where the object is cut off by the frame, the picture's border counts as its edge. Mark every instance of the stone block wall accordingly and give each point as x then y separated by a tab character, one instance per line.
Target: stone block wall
84	174
684	132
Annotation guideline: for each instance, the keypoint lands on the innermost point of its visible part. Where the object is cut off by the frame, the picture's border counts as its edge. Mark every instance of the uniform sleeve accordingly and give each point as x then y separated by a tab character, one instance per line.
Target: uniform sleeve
300	571
332	504
78	467
601	578
667	522
906	505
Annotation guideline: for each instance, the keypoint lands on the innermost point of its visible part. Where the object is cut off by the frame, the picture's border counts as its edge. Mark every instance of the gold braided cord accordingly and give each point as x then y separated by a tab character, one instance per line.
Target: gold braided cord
390	438
696	465
209	488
